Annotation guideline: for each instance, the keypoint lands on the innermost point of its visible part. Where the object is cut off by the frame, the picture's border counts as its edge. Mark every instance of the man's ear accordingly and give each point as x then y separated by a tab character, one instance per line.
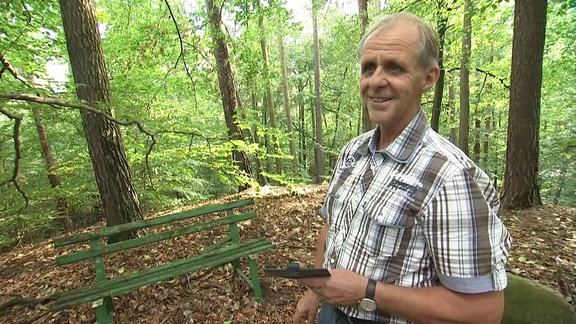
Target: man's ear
431	78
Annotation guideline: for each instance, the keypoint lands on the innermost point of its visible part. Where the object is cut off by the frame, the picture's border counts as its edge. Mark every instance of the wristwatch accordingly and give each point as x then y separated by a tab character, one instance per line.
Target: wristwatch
367	303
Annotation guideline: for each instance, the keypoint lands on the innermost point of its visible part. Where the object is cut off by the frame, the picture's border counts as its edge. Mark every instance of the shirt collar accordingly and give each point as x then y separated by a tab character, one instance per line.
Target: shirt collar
403	147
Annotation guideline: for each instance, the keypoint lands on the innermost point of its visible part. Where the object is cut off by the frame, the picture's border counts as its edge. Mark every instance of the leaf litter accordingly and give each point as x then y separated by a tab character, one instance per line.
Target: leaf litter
544	250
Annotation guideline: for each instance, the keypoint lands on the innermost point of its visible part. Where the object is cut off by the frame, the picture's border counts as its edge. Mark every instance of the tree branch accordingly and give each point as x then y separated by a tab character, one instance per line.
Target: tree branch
20	300
493	76
182	51
62	104
6	66
17	154
490	74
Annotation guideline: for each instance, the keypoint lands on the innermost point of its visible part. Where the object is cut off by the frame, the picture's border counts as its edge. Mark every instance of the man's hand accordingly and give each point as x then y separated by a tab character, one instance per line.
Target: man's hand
307	308
342	288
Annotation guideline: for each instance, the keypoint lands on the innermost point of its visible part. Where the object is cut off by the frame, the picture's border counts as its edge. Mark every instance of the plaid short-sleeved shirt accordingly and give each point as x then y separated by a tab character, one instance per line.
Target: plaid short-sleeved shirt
419	213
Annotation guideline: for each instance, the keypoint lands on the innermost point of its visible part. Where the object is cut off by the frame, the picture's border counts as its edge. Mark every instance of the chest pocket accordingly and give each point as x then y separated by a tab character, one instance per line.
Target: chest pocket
390	223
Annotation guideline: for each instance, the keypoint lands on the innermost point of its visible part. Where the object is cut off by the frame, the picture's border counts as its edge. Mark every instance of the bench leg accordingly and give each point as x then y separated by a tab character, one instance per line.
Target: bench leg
255	281
104	311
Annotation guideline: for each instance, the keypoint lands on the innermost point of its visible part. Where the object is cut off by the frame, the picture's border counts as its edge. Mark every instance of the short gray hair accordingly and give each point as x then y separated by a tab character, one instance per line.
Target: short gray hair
428	48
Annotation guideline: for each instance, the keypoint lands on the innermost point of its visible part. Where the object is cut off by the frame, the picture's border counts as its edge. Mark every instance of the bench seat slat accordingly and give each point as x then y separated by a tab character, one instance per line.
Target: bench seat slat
130	282
115	247
113	230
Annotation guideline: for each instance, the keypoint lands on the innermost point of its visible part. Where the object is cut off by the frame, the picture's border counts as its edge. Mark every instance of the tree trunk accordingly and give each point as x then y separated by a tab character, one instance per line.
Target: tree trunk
452	104
363	16
561	184
488	122
521	175
477	139
226	85
303	156
486	139
287	107
119	199
259	176
46	152
439	86
464	79
269	97
318	152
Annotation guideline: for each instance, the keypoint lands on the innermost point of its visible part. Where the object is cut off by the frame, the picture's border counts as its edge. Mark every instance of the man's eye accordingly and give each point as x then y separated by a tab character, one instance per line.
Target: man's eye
395	68
369	68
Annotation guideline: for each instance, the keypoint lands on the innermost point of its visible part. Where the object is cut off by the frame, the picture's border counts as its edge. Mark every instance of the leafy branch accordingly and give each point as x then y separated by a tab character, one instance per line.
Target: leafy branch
62	104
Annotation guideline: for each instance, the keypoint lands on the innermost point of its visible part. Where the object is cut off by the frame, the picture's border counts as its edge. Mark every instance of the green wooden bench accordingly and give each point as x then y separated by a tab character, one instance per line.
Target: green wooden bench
227	250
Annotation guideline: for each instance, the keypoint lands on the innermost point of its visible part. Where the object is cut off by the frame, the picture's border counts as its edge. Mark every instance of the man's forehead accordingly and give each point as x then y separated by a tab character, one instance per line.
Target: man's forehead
406	28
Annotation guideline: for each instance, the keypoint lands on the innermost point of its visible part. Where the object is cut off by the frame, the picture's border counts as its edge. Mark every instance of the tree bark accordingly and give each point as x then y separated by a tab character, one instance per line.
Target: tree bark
521	175
119	199
226	86
464	79
477	139
318	152
287	106
439	86
363	16
303	156
452	105
269	97
46	153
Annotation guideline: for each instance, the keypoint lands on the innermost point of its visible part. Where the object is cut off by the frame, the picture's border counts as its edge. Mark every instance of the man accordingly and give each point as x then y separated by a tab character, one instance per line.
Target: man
412	233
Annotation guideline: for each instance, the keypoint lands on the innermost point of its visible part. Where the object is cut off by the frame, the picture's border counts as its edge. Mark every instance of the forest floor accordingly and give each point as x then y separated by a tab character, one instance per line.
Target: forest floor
544	250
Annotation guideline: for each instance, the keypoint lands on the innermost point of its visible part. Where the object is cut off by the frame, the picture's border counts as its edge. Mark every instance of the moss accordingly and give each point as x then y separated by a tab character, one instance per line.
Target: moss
529	302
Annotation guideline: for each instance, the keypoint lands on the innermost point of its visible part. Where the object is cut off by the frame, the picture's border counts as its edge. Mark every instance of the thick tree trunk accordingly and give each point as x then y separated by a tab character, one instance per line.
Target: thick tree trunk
521	175
226	85
464	79
119	199
318	152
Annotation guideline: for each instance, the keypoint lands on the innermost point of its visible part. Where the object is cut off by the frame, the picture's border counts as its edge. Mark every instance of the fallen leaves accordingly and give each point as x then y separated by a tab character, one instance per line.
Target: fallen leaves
544	249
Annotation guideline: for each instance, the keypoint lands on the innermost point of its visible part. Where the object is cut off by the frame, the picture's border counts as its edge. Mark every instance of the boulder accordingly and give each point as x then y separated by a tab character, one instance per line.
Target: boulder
528	302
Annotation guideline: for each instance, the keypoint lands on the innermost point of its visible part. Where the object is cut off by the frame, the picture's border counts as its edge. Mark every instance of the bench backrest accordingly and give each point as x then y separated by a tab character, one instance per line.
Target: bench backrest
96	249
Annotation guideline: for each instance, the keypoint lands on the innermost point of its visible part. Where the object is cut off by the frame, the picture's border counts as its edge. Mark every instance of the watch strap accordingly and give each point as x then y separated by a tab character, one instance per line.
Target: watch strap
371	289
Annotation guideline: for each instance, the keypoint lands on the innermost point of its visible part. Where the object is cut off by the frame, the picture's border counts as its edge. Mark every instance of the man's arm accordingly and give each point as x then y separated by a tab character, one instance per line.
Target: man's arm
440	304
419	304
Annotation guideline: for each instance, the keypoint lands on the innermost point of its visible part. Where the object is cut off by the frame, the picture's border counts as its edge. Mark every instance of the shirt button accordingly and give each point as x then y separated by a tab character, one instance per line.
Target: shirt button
332	261
499	266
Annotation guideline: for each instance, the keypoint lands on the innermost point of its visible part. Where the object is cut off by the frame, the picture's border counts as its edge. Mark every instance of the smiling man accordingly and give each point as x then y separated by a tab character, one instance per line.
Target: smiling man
412	232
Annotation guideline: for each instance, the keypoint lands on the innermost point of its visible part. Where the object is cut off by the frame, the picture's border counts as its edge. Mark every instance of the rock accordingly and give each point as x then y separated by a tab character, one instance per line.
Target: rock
528	302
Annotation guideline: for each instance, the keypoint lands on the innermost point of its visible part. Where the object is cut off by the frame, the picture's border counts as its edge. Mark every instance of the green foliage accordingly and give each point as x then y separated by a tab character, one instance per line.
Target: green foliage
163	75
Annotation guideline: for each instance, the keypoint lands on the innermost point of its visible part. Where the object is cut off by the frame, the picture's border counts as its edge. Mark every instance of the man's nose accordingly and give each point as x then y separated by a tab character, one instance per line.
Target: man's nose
378	79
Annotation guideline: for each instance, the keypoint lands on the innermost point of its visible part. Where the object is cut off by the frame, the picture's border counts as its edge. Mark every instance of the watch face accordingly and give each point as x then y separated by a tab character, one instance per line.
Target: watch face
368	304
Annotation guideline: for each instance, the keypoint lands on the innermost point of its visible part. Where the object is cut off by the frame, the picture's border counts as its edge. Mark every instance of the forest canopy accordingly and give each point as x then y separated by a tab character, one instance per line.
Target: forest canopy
208	97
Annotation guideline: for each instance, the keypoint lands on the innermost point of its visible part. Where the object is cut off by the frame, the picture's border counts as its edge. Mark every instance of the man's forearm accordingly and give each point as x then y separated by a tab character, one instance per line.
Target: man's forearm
440	304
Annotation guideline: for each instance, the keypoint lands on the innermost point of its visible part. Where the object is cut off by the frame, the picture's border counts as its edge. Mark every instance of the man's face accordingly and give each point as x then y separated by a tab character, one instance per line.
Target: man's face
392	80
